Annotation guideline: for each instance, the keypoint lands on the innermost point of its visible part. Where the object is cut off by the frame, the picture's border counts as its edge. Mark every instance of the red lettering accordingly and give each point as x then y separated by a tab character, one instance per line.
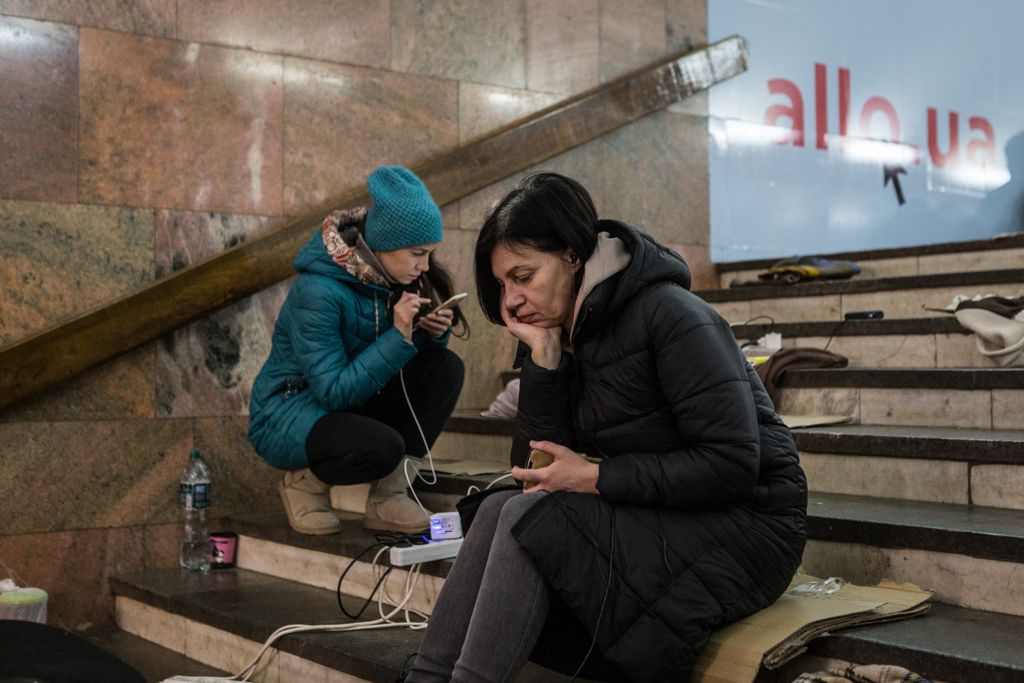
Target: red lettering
844	100
821	105
949	157
794	111
883	106
981	152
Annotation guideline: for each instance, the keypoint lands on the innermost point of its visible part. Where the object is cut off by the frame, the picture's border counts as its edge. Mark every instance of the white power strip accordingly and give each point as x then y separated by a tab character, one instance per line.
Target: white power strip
434	550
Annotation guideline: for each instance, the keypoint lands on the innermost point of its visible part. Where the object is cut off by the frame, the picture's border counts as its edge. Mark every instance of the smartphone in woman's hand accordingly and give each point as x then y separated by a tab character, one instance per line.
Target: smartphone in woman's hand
537	460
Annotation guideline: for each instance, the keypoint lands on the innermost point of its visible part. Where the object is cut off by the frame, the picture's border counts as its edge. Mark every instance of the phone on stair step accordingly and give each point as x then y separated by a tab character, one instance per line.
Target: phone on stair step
864	315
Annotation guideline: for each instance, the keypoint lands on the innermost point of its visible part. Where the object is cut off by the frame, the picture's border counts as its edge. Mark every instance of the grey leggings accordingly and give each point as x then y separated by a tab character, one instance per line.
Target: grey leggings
492	607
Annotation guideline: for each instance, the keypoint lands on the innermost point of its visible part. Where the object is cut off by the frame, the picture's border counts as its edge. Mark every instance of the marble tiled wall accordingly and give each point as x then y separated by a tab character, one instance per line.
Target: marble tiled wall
139	137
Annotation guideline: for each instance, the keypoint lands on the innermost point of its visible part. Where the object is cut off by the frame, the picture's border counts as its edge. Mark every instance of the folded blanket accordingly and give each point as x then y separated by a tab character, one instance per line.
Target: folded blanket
792	358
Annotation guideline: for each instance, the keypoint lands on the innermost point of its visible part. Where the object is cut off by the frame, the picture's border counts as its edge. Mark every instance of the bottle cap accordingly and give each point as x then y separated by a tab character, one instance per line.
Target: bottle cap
194	454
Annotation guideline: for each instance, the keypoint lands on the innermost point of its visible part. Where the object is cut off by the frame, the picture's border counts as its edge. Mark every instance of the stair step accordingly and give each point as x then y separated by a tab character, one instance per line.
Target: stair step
885	343
897	297
908	378
862	285
985	533
267	544
223	618
467	434
947	643
969	555
1004	251
989	398
980	446
853	328
962	466
154	662
472	422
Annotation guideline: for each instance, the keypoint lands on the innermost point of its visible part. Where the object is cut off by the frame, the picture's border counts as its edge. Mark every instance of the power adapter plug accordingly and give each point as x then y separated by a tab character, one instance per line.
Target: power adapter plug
445	526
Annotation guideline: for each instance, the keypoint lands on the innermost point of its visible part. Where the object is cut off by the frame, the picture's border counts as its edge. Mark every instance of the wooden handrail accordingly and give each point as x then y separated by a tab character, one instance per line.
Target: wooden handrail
66	349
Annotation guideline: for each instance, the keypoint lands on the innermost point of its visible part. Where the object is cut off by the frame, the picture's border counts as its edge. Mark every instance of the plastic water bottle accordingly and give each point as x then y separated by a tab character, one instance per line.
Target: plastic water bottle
195	499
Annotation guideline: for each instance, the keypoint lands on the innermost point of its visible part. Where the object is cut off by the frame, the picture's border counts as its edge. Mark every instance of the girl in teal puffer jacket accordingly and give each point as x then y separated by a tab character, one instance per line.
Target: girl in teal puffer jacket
350	356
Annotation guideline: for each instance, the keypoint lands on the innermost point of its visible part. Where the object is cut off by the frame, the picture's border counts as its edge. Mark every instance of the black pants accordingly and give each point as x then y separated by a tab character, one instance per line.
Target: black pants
368	443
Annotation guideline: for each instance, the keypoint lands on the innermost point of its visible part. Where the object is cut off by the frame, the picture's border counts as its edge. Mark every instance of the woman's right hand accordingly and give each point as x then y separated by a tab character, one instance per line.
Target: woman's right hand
405	310
545	342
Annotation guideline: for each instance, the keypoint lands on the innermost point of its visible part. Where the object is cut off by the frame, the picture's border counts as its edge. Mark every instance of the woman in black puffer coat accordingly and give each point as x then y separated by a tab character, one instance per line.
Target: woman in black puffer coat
689	511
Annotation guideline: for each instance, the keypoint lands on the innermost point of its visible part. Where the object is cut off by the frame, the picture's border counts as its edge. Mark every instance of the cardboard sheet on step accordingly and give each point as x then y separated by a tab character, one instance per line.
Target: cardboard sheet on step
797	421
777	634
469	467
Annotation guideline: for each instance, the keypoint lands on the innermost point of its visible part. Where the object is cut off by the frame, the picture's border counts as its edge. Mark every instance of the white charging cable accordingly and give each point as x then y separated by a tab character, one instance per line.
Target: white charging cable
430	459
473	488
406	461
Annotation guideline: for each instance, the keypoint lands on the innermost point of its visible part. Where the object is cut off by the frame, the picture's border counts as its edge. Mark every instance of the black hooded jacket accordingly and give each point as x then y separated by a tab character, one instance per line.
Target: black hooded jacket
702	505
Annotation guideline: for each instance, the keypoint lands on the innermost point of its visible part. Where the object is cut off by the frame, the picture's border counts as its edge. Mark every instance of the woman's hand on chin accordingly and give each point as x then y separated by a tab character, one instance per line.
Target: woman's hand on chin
545	342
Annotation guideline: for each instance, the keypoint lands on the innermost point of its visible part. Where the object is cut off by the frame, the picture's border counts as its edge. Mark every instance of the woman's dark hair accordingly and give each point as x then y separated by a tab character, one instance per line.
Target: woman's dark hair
547	211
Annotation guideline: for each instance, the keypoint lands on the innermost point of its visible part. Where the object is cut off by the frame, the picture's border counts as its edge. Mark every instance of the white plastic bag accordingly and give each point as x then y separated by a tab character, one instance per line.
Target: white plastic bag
997	337
506	405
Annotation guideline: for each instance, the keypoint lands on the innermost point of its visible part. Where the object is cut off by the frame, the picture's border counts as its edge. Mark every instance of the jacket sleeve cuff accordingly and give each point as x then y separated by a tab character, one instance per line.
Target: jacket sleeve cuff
544	379
422	340
394	351
606	481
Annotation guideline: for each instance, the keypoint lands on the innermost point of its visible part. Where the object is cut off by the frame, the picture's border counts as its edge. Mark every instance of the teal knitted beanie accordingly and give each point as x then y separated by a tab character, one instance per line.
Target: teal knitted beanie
402	214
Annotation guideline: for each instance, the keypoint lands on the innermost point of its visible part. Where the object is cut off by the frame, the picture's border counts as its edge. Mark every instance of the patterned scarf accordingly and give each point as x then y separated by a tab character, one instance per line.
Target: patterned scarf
358	259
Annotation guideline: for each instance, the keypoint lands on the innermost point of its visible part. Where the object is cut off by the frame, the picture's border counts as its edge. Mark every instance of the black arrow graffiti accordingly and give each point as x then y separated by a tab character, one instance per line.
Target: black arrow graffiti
892	173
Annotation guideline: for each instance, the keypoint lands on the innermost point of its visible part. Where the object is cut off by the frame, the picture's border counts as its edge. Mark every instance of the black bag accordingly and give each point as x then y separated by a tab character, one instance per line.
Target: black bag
468	505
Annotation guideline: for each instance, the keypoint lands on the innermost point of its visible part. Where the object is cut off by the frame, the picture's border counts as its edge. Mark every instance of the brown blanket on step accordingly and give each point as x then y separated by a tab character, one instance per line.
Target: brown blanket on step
782	360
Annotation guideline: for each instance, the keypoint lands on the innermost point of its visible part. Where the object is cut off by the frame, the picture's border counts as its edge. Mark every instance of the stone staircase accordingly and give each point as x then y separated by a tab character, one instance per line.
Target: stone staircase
925	484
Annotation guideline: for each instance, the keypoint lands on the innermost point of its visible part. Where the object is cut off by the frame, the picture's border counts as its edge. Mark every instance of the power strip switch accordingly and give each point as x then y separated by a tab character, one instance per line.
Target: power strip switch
427	552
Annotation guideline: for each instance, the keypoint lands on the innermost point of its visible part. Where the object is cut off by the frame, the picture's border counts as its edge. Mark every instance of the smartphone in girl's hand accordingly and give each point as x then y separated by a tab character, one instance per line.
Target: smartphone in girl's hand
451	300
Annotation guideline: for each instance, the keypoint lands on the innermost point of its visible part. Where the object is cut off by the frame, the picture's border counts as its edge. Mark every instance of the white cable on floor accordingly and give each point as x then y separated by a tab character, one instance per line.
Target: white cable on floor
384	621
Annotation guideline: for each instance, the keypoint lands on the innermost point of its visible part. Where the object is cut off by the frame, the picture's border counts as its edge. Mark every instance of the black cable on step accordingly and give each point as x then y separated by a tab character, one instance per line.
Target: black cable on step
383	539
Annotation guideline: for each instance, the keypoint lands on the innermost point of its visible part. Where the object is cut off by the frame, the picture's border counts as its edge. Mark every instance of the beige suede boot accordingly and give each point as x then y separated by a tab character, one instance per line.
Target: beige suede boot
351	498
389	507
305	502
